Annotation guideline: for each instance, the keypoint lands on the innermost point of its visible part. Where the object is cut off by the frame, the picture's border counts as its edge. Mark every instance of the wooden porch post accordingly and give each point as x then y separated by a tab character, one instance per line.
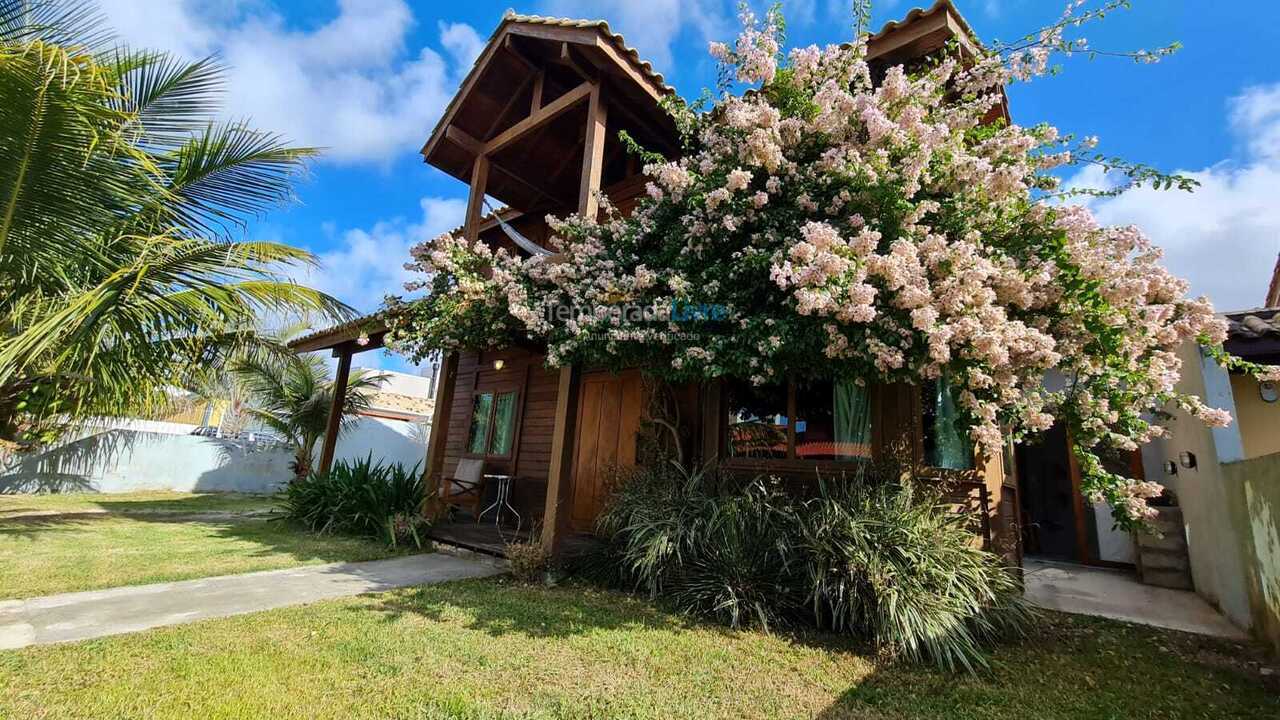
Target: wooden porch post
439	436
593	153
335	408
555	518
475	199
712	421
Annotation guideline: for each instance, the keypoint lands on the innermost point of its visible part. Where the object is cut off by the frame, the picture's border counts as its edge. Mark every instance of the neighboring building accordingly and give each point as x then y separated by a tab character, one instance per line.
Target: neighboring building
1227	480
535	126
403	396
395	427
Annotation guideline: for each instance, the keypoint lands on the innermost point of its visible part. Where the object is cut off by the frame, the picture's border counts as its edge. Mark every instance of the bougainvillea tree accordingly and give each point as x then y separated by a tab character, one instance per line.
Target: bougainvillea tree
823	225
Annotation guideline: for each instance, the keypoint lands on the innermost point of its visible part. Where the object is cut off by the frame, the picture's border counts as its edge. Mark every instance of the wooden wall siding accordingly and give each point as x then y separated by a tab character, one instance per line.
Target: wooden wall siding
609	411
531	450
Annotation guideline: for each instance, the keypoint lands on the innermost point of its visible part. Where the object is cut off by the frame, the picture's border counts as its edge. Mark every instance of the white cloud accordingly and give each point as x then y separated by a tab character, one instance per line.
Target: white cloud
365	265
1255	116
350	85
652	26
1223	237
462	42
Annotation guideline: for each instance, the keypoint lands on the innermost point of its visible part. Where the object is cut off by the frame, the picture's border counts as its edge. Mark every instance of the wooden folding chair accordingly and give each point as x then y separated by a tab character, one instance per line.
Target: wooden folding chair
466	488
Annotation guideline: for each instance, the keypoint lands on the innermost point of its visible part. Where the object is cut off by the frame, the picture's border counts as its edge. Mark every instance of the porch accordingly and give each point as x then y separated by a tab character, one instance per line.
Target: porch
490	539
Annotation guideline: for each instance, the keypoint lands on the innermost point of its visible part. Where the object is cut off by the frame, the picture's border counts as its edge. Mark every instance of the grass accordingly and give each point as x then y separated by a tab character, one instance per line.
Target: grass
491	649
136	502
101	541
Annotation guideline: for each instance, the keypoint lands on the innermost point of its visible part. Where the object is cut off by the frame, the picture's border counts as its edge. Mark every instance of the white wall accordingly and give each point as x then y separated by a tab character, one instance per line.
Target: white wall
391	441
1217	563
124	459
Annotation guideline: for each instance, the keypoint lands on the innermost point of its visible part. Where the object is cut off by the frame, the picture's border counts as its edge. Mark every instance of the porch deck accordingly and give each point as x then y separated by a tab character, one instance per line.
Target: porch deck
487	538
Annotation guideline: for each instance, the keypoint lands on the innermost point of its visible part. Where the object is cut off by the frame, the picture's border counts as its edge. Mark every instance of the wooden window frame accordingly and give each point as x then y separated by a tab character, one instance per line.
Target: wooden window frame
517	410
790	462
793	464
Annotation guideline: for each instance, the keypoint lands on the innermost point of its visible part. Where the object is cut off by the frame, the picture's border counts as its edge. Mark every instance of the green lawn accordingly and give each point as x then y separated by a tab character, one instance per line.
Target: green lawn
101	541
135	502
489	649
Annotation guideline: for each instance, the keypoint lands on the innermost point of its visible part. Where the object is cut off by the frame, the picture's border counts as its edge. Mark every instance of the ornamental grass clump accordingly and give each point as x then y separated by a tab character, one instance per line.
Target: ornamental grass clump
894	563
875	554
361	497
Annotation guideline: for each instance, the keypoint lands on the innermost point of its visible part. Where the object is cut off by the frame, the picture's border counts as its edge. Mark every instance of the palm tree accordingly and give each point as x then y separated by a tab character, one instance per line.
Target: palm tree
292	396
123	205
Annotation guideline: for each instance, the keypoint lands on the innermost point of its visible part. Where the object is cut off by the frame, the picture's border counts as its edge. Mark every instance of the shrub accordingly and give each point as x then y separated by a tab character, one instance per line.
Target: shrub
894	563
361	498
875	555
528	560
704	542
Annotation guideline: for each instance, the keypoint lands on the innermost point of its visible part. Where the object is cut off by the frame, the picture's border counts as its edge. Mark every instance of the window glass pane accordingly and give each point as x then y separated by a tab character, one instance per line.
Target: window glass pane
833	421
504	420
946	445
481	409
757	420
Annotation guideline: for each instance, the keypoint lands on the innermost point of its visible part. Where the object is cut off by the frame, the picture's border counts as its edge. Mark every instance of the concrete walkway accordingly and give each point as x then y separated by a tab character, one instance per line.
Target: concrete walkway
84	615
1118	595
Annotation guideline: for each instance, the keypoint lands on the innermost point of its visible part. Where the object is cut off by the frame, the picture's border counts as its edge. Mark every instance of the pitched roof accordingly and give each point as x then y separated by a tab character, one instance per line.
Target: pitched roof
335	335
1254	334
511	18
918	13
619	43
1253	324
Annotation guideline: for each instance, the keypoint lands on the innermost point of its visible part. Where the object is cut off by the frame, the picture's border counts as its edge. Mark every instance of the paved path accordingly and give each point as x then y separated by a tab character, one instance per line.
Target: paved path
84	615
1118	595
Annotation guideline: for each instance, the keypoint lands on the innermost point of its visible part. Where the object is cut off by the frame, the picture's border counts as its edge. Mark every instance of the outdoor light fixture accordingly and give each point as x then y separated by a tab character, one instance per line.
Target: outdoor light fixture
1268	392
1171	468
499	364
1187	459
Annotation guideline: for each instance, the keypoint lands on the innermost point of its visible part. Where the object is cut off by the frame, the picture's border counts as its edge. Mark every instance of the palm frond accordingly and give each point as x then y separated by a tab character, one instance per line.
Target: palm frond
228	174
118	197
78	24
171	98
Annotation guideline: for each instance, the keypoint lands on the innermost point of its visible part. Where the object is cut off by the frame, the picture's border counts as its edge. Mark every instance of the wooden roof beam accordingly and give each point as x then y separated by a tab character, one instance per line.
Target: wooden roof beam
568	60
646	125
530	186
464	140
536	78
551	111
509	44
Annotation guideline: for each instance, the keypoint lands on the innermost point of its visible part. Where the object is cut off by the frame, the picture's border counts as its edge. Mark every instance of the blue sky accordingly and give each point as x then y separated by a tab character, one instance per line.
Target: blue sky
367	79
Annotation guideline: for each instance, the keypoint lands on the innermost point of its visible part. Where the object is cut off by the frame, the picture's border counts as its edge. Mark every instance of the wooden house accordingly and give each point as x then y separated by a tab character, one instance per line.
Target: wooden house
535	125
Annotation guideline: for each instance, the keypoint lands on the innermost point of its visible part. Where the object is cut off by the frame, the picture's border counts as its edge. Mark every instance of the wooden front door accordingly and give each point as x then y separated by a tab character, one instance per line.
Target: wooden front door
609	409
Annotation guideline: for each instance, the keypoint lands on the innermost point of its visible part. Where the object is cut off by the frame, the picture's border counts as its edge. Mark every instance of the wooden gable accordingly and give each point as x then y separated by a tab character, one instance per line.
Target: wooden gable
524	108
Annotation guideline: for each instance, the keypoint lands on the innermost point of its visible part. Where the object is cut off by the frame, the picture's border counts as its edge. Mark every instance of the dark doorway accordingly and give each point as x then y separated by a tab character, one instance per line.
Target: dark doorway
1049	498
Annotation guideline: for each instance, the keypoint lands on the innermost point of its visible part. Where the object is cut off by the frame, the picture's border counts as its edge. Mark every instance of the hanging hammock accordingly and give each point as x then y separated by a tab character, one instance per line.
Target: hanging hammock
523	242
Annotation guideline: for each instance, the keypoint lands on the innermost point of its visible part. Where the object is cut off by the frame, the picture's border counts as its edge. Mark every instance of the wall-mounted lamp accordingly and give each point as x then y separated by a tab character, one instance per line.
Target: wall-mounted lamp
1187	459
499	364
1171	468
